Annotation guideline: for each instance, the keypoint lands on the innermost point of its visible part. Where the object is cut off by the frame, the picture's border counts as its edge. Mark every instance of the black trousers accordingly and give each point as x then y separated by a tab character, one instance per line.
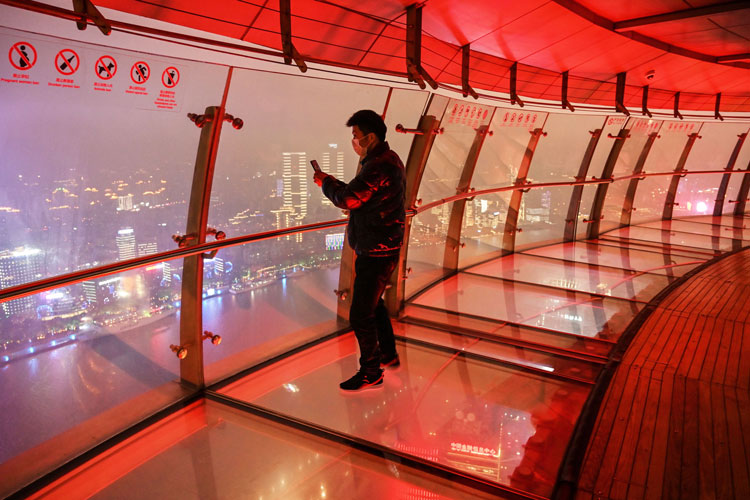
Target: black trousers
368	315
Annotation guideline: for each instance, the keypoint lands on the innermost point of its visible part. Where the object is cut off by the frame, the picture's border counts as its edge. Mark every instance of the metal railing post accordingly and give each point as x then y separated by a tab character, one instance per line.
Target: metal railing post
571	221
453	238
511	221
601	190
722	193
627	207
415	165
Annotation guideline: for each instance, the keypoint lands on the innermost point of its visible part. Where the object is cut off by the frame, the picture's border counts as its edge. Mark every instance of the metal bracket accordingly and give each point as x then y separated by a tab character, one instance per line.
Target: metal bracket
341	294
514	99
610	136
89	11
620	94
565	102
717	115
465	68
644	105
414	67
215	339
677	106
290	52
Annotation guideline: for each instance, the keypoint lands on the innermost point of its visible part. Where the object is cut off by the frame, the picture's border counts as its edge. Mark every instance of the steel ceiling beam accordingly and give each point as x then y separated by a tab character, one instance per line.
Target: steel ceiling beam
678	15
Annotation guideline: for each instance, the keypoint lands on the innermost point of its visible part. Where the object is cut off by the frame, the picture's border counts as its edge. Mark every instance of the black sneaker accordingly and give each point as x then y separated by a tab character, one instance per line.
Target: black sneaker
362	381
390	362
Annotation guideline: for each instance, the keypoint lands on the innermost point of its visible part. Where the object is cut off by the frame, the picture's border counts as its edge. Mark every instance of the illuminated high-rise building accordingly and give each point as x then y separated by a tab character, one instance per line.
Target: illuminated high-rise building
17	267
332	162
125	244
147	248
295	175
125	202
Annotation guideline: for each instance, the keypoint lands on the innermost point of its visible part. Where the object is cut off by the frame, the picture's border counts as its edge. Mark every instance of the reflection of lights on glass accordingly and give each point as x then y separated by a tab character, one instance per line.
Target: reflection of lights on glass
291	388
701	206
6	358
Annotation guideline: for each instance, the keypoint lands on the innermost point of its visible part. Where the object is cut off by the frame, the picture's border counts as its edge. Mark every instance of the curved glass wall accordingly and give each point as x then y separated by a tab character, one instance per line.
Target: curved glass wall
98	159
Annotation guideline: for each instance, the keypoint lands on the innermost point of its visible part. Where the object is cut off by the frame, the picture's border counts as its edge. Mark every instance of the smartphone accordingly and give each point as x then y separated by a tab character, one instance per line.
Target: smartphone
315	165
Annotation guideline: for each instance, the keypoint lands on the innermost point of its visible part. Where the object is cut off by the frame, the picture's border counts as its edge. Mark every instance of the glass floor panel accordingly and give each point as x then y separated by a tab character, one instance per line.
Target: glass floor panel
499	424
724	220
503	331
656	247
688	226
621	258
565	366
210	450
564	311
574	276
674	237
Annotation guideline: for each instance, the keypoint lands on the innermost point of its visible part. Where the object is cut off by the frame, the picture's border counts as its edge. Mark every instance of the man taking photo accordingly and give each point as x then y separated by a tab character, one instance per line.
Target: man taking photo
375	200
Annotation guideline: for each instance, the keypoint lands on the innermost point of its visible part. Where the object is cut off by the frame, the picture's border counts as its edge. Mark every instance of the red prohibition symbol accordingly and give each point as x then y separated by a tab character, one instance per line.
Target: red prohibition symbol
67	61
140	72
22	55
105	67
171	77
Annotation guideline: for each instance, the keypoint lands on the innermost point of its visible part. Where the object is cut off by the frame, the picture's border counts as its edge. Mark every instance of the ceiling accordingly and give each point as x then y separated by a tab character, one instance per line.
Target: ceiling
698	48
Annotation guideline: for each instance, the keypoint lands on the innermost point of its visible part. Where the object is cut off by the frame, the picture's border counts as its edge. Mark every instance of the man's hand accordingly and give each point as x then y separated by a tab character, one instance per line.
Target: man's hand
319	177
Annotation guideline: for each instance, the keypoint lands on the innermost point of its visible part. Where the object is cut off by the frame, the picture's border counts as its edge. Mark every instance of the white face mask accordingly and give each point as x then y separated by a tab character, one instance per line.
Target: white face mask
359	148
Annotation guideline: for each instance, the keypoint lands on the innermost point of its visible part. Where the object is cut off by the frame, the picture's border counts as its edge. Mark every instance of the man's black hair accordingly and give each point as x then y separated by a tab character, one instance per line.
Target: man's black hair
368	121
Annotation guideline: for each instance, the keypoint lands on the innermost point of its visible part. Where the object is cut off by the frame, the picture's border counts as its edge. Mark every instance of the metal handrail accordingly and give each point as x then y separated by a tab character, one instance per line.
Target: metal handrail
34	287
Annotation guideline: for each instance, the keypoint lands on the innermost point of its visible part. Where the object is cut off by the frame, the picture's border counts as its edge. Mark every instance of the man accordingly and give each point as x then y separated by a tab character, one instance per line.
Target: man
375	200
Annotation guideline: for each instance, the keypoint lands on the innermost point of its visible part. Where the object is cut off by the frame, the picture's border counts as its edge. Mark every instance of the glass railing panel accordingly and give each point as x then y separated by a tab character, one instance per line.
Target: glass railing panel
715	145
542	215
640	128
665	154
535	359
503	151
219	445
621	258
726	220
268	297
483	227
735	182
405	108
504	332
426	253
612	126
696	195
574	276
669	237
81	363
441	407
263	178
107	176
560	310
449	152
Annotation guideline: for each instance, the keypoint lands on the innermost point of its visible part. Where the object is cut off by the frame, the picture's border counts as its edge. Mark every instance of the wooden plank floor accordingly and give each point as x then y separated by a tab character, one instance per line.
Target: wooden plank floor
675	421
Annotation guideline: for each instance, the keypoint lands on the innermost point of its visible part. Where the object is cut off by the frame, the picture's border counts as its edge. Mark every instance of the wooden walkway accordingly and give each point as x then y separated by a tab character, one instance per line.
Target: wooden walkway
675	421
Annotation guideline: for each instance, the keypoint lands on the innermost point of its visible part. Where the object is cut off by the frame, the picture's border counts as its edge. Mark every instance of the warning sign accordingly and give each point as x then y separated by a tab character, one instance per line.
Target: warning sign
140	72
22	55
106	67
67	62
166	100
170	77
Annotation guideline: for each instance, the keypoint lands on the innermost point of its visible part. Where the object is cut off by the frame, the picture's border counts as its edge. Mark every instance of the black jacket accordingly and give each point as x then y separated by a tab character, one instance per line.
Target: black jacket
375	199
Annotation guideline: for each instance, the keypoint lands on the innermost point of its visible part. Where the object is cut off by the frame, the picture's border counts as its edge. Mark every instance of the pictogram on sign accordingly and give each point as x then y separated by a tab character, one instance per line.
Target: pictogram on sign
171	77
106	67
67	61
140	72
22	55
